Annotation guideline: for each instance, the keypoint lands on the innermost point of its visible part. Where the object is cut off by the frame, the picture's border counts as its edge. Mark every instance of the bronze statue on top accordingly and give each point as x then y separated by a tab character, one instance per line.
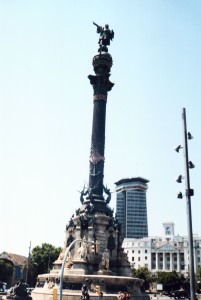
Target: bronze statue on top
106	35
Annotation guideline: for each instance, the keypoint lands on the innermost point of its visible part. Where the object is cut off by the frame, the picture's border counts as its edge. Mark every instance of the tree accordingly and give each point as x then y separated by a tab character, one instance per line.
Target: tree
198	273
6	270
185	283
145	274
41	259
170	280
198	279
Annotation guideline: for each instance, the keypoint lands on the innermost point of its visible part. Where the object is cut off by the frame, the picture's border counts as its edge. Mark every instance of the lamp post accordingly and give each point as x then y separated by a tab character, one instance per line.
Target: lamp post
189	192
64	261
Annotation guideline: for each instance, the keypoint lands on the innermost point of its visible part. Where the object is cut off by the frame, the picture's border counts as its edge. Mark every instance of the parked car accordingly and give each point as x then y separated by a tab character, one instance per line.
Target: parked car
3	288
179	294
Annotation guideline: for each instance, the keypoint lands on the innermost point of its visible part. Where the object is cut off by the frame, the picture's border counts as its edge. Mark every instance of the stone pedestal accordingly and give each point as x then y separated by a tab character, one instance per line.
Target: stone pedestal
101	223
79	267
105	272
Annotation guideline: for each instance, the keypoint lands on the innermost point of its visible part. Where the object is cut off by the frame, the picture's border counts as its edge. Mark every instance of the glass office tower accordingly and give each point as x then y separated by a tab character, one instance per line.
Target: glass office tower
131	206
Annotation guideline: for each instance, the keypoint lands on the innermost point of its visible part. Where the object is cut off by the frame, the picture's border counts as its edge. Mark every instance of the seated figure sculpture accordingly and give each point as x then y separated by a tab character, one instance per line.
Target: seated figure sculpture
82	252
19	291
104	265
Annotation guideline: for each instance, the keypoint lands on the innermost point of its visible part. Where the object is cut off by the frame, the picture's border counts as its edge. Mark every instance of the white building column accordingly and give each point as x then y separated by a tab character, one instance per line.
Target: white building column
163	261
156	260
178	262
171	259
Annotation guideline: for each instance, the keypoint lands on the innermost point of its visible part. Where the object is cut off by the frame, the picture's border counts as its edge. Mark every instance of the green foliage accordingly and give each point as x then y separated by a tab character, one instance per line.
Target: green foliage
171	281
6	270
41	259
185	283
198	279
198	273
145	274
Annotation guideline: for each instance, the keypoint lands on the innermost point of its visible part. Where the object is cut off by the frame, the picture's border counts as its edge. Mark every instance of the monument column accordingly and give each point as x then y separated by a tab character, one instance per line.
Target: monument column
102	63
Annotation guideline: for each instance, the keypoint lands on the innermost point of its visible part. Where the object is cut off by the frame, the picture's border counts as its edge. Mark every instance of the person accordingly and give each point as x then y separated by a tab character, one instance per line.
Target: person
119	295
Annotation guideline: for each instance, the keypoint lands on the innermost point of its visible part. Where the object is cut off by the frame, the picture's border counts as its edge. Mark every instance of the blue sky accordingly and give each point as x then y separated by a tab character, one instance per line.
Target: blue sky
46	105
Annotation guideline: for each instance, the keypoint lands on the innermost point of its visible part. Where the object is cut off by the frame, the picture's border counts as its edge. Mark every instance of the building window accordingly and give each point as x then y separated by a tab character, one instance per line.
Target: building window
167	231
133	251
133	258
145	257
138	258
138	251
145	250
198	259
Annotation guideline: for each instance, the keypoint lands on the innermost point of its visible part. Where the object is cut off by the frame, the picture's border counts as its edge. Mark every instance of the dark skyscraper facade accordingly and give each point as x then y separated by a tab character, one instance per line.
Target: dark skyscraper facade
131	206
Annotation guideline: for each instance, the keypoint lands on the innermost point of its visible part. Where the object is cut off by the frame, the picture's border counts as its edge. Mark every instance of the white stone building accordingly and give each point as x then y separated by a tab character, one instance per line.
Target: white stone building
163	253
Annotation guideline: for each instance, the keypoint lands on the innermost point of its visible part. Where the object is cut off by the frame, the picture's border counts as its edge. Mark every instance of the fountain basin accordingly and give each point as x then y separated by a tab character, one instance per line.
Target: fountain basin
110	286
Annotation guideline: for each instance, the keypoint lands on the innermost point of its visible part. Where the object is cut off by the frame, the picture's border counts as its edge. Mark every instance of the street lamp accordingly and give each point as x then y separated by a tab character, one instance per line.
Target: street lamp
178	148
64	260
189	192
179	179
